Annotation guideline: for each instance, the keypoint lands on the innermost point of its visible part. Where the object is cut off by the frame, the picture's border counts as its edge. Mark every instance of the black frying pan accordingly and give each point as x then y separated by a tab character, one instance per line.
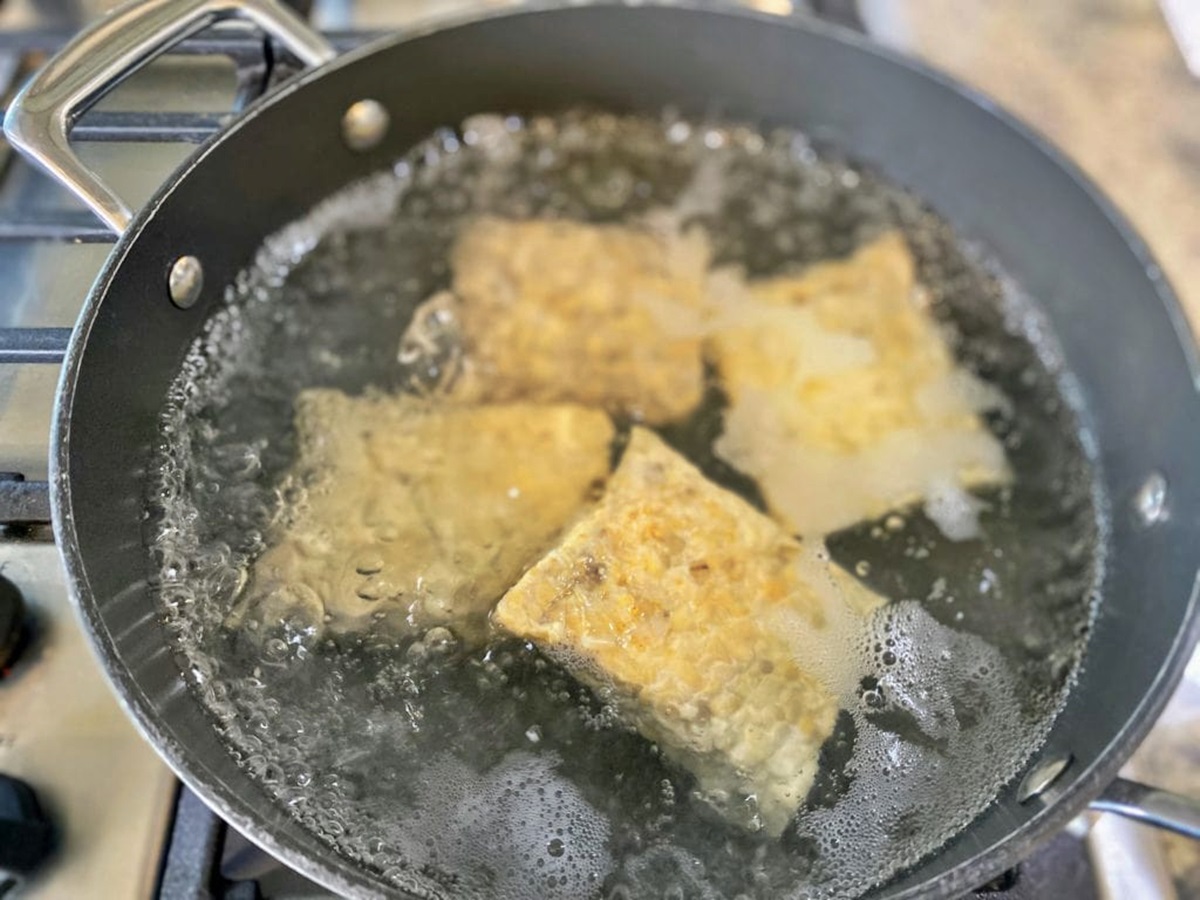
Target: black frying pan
1119	325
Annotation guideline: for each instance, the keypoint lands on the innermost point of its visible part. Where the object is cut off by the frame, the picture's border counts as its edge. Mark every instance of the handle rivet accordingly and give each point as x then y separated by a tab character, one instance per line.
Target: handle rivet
1150	501
185	281
364	125
1041	776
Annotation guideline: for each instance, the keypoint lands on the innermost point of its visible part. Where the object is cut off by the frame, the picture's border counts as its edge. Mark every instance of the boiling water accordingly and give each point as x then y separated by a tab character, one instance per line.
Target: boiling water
491	772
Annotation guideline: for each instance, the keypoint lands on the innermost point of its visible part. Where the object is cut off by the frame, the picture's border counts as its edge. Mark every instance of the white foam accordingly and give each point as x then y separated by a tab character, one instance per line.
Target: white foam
514	827
953	510
939	731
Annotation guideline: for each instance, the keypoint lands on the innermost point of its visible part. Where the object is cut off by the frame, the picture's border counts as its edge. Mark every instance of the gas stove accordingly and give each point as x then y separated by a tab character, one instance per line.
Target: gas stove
87	809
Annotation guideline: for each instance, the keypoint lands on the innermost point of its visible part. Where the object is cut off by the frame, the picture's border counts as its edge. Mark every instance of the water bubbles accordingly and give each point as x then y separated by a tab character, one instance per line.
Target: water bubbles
679	131
430	352
369	565
415	757
275	650
751	141
612	191
439	639
933	759
236	461
987	581
387	533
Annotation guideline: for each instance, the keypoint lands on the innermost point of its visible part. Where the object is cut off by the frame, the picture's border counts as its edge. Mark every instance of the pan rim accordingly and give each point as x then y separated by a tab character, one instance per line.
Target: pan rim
349	879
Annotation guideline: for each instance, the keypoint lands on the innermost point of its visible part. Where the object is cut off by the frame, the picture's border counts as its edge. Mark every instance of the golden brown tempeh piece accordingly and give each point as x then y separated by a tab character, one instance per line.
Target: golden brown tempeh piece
416	516
559	310
674	597
845	400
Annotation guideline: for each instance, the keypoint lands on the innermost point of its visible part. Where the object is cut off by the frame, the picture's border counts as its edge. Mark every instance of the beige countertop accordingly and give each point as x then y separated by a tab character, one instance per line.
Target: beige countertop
1103	79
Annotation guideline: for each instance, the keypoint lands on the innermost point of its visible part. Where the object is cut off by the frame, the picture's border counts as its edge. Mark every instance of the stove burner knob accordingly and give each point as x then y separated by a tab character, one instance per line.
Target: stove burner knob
26	836
13	629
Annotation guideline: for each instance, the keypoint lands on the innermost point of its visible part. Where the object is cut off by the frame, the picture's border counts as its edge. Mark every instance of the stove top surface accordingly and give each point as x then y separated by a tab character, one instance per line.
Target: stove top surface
121	819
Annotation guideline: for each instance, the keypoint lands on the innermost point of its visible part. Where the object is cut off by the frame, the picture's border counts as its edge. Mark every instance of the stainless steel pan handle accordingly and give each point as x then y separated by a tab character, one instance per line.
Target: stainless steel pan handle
40	118
1152	806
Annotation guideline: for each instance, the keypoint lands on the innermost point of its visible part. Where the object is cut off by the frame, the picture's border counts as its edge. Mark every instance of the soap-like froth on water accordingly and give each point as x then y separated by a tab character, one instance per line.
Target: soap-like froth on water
490	772
518	817
933	712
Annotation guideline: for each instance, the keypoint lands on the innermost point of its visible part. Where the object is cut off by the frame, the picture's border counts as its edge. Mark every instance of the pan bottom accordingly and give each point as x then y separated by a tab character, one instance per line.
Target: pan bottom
485	772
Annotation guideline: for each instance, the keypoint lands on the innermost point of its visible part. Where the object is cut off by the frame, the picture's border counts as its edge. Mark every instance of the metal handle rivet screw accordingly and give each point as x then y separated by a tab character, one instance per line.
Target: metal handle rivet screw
364	125
1041	776
185	281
